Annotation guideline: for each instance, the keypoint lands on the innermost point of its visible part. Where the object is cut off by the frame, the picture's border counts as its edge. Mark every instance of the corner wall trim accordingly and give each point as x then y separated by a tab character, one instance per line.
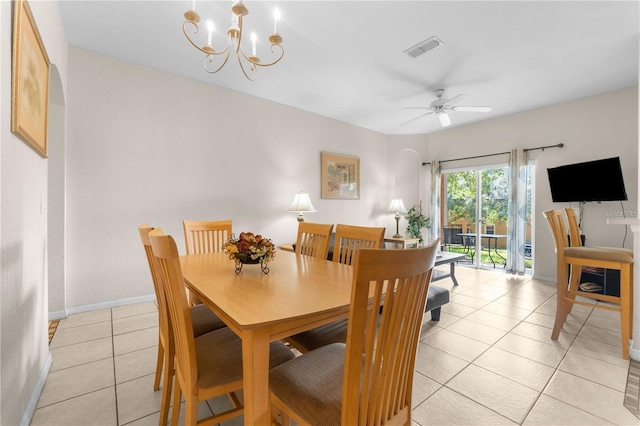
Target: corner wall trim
58	315
634	354
30	409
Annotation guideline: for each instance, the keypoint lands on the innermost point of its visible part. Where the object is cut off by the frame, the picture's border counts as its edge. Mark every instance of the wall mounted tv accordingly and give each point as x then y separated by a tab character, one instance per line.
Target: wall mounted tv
599	180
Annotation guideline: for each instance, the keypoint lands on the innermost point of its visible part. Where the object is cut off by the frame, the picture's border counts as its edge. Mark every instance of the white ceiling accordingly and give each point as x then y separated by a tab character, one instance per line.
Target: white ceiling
345	60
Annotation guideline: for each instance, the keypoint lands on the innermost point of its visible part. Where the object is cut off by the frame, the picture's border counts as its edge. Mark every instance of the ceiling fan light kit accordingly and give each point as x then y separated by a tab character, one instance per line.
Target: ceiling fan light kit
234	41
440	107
444	119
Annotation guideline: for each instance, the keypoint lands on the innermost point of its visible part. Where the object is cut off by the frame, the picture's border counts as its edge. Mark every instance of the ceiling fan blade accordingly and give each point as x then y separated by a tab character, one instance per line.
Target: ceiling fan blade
444	119
455	99
422	107
471	108
414	119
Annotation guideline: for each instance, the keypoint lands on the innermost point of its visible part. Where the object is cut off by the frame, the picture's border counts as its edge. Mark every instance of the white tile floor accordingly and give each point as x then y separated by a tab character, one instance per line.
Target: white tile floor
489	361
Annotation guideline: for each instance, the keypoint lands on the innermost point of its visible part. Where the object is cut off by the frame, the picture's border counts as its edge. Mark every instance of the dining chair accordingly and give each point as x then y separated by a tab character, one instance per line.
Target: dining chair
349	240
570	260
368	380
203	321
313	239
206	366
205	237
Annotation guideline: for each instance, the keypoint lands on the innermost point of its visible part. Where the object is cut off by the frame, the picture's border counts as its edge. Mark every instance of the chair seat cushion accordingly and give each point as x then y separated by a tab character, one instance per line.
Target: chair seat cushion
219	357
204	320
311	385
335	332
612	254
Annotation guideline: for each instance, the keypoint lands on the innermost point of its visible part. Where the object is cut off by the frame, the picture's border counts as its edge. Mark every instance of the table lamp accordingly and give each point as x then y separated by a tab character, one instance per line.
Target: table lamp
397	206
301	204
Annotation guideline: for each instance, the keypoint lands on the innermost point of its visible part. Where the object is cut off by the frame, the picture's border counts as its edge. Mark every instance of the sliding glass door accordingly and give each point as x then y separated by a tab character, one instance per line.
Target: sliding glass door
474	216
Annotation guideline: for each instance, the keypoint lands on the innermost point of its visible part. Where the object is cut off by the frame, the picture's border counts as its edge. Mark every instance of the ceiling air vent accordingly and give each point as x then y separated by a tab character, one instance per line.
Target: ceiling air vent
423	47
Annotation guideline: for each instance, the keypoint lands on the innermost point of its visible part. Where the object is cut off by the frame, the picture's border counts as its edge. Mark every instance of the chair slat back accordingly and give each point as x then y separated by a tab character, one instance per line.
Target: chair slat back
206	237
350	239
163	314
381	350
574	230
555	220
313	239
170	276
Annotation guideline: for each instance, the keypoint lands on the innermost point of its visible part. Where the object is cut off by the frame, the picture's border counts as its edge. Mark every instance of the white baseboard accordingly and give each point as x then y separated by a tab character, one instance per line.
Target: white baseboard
111	304
27	416
544	278
634	354
58	315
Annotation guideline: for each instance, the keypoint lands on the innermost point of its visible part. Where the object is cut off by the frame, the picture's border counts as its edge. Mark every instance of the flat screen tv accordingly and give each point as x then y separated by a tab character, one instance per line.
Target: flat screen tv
599	180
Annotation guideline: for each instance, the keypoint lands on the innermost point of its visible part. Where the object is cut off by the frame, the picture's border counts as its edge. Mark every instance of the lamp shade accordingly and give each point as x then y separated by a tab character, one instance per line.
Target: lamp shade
302	203
397	206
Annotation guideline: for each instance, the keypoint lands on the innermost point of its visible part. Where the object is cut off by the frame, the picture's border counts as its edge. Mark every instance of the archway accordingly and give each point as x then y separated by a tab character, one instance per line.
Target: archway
55	198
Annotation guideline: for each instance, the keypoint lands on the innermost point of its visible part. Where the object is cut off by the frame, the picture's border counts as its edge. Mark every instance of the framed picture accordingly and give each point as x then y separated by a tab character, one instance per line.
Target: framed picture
340	176
30	81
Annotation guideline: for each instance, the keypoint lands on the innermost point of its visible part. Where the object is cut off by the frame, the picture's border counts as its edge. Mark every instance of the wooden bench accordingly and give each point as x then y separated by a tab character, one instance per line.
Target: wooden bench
439	296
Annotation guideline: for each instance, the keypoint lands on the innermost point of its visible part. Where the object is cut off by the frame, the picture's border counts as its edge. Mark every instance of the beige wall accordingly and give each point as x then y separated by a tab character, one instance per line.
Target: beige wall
145	146
24	186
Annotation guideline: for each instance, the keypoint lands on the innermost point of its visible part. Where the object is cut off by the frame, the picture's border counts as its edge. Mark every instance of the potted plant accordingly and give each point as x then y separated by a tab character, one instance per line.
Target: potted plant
417	222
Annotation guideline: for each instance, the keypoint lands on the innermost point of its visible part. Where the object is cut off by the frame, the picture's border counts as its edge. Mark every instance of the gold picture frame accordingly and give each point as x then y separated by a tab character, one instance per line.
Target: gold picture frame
30	80
340	176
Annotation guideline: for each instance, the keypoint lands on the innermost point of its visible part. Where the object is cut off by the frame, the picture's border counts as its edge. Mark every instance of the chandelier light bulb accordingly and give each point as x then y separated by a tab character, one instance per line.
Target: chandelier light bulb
276	18
234	21
209	31
254	38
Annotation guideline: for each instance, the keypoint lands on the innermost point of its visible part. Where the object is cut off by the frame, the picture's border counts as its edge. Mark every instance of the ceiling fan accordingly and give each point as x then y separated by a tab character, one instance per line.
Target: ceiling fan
440	107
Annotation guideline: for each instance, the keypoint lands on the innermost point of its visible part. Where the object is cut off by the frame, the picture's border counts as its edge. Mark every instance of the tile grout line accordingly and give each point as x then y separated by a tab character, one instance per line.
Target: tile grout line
631	394
632	383
113	359
632	390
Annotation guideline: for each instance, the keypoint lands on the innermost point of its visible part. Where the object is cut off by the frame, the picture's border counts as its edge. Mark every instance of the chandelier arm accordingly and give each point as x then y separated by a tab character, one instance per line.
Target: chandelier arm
210	58
253	68
184	31
277	60
204	50
239	35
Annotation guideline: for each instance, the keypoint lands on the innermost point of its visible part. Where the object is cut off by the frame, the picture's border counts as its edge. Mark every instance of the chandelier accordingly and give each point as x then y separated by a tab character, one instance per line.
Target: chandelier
216	59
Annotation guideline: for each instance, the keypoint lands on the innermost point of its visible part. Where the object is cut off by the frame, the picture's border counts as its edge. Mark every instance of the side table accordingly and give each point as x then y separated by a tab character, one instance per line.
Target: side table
287	247
404	242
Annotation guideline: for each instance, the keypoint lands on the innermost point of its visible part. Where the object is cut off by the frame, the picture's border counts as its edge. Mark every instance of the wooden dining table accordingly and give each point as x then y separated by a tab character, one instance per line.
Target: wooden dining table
298	294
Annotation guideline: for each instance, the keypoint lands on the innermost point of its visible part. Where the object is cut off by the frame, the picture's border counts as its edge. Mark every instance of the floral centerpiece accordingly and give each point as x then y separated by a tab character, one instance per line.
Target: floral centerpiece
250	248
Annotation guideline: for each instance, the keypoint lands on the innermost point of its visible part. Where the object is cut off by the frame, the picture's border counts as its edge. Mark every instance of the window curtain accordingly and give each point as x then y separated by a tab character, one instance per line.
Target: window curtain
434	231
517	212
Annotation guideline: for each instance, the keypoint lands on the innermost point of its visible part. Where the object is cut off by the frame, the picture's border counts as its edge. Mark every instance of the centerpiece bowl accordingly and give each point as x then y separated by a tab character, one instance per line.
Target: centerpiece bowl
250	249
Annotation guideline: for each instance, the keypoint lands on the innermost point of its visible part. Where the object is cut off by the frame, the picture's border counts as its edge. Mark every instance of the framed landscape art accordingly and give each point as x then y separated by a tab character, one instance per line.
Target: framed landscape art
340	176
30	81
